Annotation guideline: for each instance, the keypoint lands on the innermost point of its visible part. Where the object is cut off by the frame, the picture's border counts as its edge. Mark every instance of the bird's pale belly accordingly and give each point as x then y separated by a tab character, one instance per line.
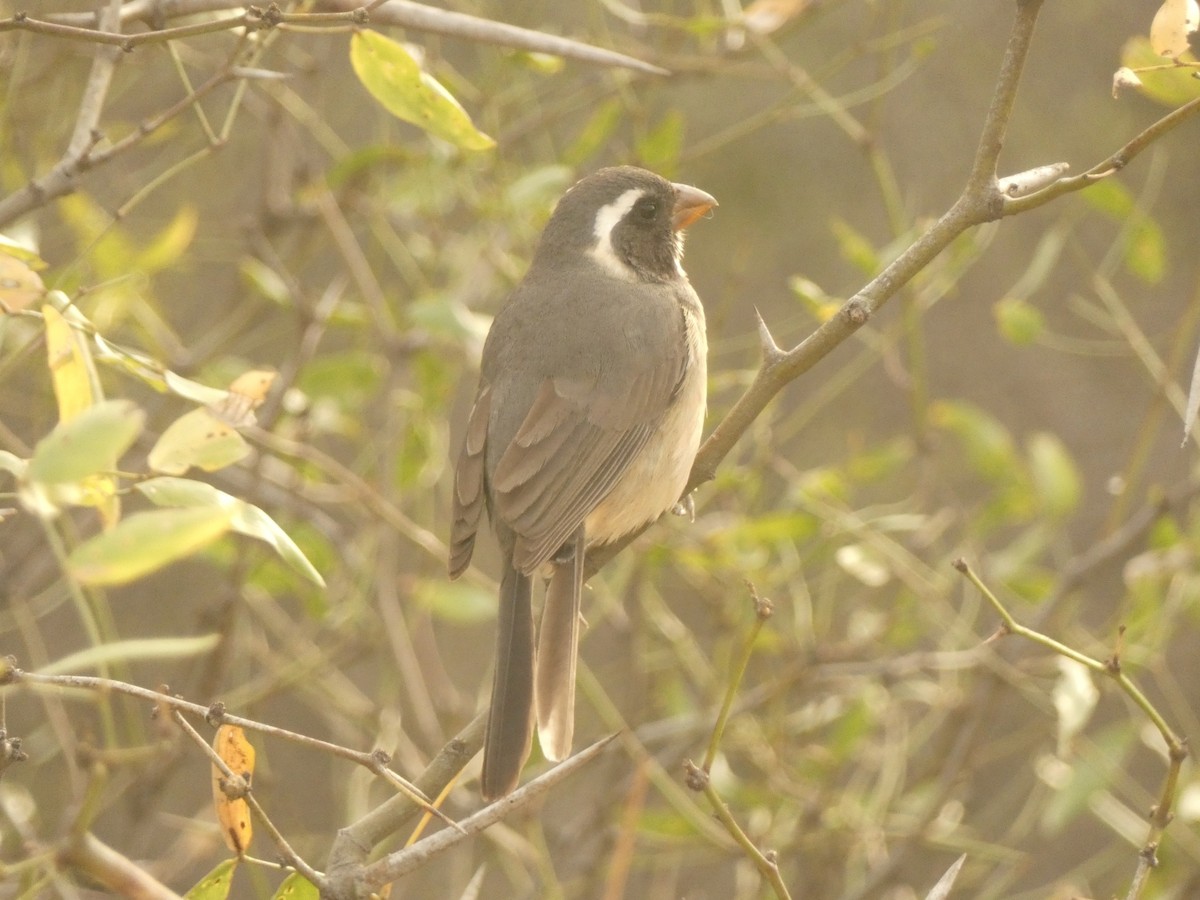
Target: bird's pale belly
655	480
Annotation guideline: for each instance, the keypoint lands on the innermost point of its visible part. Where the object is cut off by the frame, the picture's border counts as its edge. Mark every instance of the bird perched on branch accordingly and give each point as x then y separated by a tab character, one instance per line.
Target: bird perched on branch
585	425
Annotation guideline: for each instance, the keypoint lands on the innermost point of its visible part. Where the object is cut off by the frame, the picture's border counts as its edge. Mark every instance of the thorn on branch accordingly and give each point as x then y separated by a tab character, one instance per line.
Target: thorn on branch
8	670
766	341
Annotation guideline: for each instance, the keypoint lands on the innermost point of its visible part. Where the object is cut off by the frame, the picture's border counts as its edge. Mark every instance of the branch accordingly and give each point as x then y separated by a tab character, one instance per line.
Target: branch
1106	167
88	855
400	863
1177	749
429	19
354	843
63	178
399	13
215	714
289	855
981	201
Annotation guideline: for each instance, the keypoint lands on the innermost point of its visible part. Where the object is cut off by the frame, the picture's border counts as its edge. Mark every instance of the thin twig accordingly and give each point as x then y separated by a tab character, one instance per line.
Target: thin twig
374	761
401	13
698	780
353	844
293	858
1177	750
762	612
981	201
396	865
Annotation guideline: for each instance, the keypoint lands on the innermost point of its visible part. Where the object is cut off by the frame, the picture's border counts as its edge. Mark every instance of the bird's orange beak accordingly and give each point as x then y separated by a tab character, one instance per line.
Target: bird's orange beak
690	204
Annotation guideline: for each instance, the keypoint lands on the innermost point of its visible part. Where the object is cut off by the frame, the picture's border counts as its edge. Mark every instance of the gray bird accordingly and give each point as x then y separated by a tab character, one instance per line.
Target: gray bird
585	425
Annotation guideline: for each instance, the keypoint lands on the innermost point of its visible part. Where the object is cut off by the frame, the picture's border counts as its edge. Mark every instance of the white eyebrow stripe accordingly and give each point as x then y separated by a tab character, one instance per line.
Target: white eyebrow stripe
606	220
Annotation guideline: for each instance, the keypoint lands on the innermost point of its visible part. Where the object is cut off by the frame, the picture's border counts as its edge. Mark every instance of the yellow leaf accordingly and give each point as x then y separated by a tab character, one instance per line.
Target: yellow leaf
247	393
1172	24
76	385
20	285
77	390
168	245
233	813
200	439
395	79
145	542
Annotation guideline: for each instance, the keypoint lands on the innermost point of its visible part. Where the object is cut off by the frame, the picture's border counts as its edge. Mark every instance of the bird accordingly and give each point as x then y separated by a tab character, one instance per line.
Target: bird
584	427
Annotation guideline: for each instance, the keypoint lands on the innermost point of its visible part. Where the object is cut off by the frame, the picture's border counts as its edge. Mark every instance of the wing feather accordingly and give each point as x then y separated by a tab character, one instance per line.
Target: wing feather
577	440
468	485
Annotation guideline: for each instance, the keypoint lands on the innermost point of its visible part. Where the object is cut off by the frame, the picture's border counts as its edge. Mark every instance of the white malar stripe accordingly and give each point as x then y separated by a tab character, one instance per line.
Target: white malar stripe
606	220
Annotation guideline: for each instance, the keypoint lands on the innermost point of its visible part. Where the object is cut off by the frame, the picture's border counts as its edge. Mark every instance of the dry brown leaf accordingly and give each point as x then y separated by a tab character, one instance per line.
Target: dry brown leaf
233	813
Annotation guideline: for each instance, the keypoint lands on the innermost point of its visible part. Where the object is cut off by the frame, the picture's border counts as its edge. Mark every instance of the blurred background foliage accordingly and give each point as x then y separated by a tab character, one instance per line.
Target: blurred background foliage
1017	405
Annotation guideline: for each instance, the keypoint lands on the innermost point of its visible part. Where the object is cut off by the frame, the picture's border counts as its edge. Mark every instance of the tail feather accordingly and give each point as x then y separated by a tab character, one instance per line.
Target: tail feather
557	652
510	717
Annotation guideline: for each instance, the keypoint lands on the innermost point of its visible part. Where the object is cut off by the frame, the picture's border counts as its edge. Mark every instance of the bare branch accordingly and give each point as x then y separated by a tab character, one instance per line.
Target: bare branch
398	864
400	13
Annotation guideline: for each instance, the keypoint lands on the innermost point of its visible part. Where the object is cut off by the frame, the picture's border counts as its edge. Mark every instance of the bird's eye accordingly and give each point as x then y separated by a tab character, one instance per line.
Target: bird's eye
647	210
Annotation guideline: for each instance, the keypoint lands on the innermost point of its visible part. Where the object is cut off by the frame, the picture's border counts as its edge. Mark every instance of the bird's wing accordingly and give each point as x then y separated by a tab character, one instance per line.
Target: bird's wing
468	484
576	441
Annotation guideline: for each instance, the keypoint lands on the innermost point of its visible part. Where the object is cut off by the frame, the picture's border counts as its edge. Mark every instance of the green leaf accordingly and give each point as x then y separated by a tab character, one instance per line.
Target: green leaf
200	439
215	885
393	78
265	281
989	446
243	517
855	247
1110	197
1019	322
659	149
165	249
145	542
349	379
1055	477
542	63
456	601
132	651
297	887
595	133
91	442
1145	252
